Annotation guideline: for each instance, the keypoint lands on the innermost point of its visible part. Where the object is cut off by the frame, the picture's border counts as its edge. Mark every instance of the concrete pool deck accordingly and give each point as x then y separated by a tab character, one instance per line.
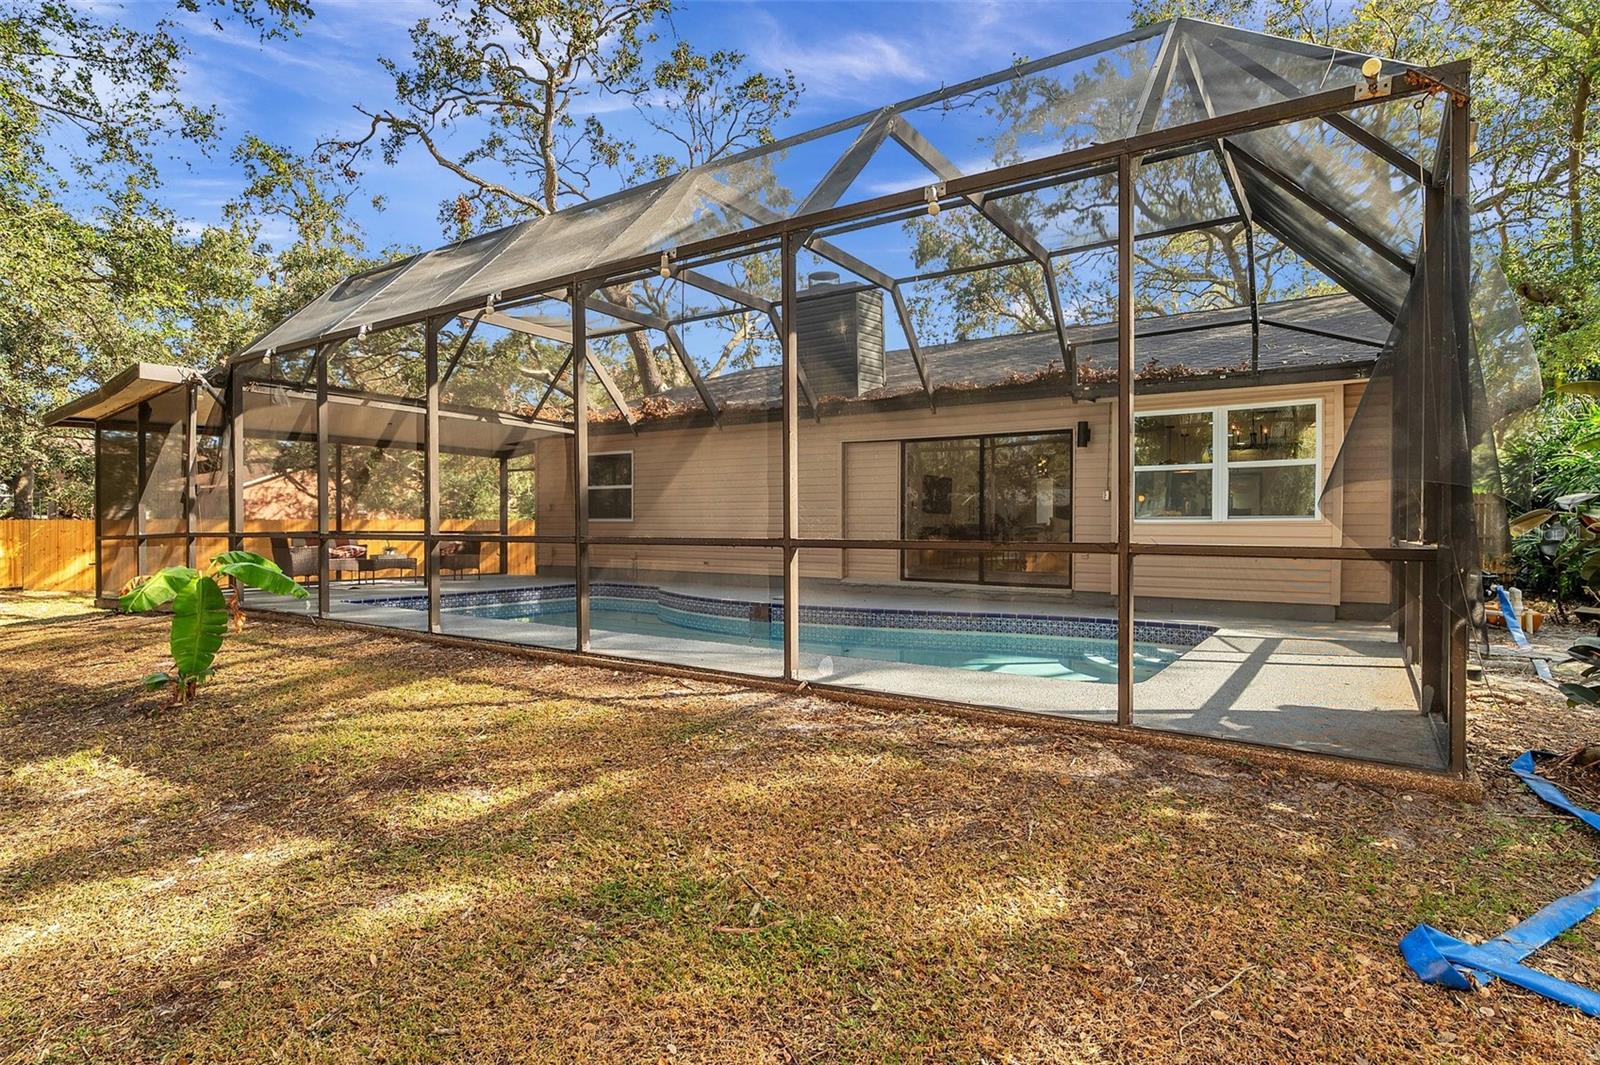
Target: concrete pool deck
1332	687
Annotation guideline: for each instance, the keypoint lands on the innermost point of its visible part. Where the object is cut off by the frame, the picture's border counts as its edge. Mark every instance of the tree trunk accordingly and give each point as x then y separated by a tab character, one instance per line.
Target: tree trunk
1580	118
22	493
644	360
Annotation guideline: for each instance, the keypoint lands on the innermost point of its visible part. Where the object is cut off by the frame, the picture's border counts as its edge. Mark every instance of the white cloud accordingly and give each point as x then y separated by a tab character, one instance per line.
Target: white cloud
838	65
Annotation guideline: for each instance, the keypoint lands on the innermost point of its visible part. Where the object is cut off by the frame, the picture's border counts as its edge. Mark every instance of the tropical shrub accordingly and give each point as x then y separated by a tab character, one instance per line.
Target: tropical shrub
1585	691
1566	537
202	612
1555	461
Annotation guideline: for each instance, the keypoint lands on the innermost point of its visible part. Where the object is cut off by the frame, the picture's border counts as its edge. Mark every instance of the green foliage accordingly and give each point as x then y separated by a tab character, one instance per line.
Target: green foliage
201	612
1586	690
1551	460
97	272
1553	455
508	99
1558	547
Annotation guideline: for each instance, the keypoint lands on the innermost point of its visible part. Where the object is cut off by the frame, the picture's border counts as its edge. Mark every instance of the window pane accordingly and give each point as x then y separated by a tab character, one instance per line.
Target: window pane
1263	433
1172	494
610	469
940	490
1272	491
611	503
1030	488
1172	439
1028	483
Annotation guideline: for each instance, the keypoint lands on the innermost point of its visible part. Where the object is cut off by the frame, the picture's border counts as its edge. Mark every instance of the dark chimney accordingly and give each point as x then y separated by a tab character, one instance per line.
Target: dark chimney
840	331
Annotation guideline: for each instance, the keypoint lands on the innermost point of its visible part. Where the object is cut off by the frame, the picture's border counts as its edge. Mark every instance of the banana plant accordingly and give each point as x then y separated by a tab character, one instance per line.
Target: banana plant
202	612
1586	690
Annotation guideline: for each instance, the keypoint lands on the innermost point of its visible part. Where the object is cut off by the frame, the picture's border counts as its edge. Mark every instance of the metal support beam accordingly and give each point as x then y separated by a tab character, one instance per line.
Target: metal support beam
1069	353
430	470
1343	123
191	460
848	166
580	469
1321	207
1314	331
776	317
1124	449
610	386
554	386
1155	89
142	481
235	431
909	138
324	515
1236	190
99	516
338	488
1462	527
525	325
761	214
461	349
651	321
676	344
731	293
913	345
791	462
505	514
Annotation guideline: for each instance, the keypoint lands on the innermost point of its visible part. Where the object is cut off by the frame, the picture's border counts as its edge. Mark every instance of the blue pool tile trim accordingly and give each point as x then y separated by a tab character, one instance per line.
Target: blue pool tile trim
712	614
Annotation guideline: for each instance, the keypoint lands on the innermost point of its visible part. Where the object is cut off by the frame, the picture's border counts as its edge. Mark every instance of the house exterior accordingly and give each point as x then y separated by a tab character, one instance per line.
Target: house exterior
1060	522
858	466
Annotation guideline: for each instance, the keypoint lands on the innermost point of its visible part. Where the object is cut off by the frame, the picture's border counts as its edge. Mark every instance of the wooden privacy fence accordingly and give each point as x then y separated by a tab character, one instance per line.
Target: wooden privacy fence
47	555
57	555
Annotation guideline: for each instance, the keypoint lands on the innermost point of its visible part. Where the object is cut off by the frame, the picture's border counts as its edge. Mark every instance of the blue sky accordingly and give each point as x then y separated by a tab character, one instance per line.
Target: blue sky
848	56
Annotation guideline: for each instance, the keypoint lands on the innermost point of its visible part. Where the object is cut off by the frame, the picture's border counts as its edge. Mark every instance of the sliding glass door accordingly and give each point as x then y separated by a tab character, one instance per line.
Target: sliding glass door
989	488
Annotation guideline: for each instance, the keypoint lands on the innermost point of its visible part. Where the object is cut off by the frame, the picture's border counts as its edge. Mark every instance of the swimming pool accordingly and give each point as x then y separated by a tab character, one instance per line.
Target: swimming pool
1082	649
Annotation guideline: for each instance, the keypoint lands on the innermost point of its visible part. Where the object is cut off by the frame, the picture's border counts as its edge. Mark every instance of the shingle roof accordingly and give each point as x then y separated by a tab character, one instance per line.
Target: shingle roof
1212	342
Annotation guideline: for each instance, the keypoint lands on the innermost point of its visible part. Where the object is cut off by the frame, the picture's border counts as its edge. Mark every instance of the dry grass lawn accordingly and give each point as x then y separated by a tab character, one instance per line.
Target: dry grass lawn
358	848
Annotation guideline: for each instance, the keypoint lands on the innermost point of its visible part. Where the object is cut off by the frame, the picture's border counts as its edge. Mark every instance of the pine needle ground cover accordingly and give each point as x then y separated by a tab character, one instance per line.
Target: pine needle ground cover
356	847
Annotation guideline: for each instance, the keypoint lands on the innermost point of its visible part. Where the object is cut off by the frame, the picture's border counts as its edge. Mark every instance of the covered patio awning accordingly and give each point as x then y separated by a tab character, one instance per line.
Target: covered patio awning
285	410
137	384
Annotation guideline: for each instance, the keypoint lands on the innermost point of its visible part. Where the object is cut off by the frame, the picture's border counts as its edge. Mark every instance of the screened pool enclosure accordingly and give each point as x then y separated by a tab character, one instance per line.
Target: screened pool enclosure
1155	383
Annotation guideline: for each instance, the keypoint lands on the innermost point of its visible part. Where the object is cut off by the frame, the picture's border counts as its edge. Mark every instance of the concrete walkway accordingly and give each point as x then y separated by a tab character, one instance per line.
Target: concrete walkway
1332	687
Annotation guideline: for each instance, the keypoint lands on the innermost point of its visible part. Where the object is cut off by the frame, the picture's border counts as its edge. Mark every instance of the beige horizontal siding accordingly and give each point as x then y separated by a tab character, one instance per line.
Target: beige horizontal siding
1365	483
726	482
871	475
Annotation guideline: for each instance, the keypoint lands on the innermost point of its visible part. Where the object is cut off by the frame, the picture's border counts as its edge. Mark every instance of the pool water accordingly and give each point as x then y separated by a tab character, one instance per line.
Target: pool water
1057	657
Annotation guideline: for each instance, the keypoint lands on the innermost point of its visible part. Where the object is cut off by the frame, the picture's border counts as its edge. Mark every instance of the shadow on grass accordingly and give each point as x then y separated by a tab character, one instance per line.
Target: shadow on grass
420	852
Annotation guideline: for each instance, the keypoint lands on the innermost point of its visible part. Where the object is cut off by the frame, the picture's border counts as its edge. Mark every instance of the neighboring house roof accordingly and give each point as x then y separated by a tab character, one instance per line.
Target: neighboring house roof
1211	344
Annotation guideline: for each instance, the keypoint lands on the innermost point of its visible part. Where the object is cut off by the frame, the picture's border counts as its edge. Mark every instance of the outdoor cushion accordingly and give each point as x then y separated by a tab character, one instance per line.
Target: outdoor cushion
451	547
347	551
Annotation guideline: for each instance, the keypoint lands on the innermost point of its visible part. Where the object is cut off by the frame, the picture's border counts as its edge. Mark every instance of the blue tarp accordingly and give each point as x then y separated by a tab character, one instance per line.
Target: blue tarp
1441	959
1518	637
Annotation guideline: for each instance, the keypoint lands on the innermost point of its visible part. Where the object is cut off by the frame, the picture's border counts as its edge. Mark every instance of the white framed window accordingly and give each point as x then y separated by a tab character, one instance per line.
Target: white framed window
1241	462
611	486
1174	465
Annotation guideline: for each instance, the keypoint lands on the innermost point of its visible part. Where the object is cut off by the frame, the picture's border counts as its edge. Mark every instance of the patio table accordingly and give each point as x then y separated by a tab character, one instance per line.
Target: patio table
370	566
